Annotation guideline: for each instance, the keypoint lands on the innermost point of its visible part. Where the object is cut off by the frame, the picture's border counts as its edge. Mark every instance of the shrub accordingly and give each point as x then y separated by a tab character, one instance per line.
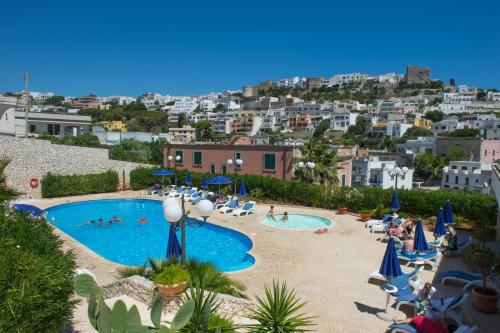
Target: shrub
65	185
171	274
36	276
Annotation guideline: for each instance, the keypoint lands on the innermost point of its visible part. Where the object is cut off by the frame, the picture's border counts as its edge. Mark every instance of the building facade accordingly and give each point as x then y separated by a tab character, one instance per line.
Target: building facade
369	171
417	75
474	176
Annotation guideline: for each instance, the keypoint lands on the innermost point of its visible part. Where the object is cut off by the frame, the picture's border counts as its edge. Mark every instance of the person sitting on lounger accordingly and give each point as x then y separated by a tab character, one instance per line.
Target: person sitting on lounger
424	325
285	217
409	226
452	238
423	298
396	230
408	244
270	213
222	199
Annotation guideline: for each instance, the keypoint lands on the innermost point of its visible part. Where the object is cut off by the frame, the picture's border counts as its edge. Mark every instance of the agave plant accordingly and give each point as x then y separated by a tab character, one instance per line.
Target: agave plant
121	320
278	311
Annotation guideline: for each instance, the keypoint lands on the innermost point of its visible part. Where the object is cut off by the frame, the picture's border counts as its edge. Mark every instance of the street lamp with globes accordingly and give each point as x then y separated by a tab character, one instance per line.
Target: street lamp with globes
306	166
175	213
395	173
177	159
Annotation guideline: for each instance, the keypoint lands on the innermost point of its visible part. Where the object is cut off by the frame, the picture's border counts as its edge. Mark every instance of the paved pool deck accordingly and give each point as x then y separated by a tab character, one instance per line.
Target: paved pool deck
329	271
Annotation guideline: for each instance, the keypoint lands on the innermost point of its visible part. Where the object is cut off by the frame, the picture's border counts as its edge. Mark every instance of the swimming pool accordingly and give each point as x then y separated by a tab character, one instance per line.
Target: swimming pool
298	222
132	242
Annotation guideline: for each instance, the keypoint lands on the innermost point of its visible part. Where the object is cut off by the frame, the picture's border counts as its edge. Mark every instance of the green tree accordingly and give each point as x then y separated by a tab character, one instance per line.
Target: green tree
54	100
204	130
462	132
435	116
428	167
321	128
414	132
182	120
457	153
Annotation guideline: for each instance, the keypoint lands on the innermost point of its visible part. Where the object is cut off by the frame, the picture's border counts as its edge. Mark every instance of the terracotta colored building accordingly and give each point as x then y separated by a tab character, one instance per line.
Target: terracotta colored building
261	160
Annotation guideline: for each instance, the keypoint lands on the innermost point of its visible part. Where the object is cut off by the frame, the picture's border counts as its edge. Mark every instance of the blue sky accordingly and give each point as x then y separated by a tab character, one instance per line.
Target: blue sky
190	47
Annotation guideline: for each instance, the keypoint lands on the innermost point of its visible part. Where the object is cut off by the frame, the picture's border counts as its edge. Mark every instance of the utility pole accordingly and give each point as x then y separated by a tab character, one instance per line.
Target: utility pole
27	107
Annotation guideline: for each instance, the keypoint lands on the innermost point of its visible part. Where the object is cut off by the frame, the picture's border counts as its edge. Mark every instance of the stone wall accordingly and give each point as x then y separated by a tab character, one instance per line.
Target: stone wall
35	158
143	290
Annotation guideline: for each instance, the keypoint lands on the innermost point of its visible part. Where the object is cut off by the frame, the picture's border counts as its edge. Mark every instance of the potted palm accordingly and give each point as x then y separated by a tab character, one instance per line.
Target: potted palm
342	202
171	280
479	258
366	215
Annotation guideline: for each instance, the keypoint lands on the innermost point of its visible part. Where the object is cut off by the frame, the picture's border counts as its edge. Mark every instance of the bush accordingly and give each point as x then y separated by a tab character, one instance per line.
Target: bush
171	274
414	202
36	276
60	186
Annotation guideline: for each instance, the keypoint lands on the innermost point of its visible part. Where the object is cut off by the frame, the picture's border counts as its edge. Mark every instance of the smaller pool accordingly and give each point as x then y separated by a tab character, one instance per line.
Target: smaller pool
298	222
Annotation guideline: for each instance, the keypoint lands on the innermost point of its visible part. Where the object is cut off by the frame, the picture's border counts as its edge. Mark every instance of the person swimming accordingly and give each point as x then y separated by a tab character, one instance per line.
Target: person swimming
116	219
285	217
270	213
99	221
86	222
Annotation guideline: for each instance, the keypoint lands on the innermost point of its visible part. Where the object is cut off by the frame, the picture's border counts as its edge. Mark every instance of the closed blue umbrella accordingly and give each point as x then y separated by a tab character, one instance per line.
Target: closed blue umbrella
204	182
439	229
163	172
395	201
390	267
243	190
188	178
420	241
448	214
30	209
173	247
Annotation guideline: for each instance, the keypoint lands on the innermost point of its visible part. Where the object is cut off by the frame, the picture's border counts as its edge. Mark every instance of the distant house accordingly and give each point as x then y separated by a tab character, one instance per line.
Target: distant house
460	175
369	171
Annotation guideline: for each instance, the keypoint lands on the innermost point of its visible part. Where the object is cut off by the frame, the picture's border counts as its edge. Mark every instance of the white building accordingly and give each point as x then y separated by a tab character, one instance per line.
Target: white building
390	78
447	125
414	100
119	100
293	82
346	106
419	146
475	176
387	107
396	129
458	97
341	79
493	96
207	105
41	96
369	171
186	106
458	107
341	121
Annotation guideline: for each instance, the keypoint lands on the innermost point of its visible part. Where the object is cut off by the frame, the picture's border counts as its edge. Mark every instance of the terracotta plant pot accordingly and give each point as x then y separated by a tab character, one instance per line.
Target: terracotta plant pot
342	210
169	290
365	217
484	302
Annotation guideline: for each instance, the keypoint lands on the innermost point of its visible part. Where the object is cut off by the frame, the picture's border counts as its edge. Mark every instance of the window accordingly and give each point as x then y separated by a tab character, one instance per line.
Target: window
454	167
237	156
466	180
464	168
456	179
224	169
485	153
493	153
270	162
447	178
179	153
197	158
32	128
54	129
212	169
343	180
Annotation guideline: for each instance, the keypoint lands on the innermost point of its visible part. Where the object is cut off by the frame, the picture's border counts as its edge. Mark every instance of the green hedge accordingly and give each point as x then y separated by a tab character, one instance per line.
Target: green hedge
415	202
36	276
60	185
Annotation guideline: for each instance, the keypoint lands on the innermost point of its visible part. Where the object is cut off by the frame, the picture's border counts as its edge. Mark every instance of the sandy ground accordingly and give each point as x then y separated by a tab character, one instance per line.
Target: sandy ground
328	271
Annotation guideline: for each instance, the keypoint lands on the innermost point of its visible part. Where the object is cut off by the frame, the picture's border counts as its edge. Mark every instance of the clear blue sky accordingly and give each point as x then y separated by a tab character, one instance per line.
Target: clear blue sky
190	47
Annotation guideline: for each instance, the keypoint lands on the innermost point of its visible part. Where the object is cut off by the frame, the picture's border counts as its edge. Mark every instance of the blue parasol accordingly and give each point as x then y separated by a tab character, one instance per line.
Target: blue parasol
420	241
219	180
395	201
188	178
163	172
243	190
204	182
173	247
390	267
439	229
30	209
448	214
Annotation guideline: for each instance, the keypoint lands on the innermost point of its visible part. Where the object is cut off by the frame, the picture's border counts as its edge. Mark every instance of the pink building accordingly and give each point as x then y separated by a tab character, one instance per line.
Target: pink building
260	160
489	151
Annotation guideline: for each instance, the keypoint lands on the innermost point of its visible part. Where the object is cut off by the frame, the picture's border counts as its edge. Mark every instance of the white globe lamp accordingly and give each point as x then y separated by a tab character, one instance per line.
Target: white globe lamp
170	201
173	213
301	164
177	158
397	170
229	162
404	170
239	161
205	208
170	158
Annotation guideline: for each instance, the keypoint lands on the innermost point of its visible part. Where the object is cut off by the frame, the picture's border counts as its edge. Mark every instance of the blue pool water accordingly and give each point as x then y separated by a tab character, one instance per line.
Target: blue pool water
131	242
298	222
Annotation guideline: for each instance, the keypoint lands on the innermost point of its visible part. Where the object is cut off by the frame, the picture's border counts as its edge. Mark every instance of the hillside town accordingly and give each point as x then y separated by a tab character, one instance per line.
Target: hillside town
444	135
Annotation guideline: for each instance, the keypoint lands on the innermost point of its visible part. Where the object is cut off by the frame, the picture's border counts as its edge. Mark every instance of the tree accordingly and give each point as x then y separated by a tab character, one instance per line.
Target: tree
54	100
321	128
181	120
204	130
457	153
462	132
428	166
435	116
414	132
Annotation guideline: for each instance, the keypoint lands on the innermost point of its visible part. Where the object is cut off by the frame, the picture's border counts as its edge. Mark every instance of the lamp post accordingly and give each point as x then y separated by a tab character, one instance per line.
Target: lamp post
237	165
306	166
177	215
395	173
177	159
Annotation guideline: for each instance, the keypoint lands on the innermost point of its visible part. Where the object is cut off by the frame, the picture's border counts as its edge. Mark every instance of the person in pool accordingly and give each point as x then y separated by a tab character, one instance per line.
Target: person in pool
99	221
87	222
116	219
270	213
285	217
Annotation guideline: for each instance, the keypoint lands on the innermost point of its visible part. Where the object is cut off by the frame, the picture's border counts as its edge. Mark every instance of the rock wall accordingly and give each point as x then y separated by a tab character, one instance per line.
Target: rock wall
143	290
35	158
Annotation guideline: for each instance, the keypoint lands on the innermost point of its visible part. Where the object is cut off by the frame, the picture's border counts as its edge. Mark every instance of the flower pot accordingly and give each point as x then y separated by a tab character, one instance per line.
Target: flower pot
169	290
342	210
365	217
484	302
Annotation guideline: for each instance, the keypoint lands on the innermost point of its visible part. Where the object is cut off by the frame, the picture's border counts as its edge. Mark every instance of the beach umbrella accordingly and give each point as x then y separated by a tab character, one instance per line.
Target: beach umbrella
204	182
448	214
30	209
219	180
163	172
243	190
420	241
390	269
395	201
173	246
188	178
439	229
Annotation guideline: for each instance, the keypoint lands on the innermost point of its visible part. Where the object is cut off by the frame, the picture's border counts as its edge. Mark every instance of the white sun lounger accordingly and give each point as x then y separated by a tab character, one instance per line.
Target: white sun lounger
245	210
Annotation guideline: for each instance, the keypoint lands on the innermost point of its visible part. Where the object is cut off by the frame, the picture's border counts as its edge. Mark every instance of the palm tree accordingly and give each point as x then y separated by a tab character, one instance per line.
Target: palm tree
326	164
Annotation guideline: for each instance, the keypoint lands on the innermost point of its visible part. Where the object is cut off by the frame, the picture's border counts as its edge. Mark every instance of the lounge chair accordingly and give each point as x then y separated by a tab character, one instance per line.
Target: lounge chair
245	210
176	193
469	279
432	258
189	192
408	328
222	204
232	205
413	277
193	196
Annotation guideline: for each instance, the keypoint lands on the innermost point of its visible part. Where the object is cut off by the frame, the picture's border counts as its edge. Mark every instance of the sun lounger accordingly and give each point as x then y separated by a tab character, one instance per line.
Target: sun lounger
193	196
177	193
222	204
412	276
408	328
245	210
432	258
469	279
232	205
454	308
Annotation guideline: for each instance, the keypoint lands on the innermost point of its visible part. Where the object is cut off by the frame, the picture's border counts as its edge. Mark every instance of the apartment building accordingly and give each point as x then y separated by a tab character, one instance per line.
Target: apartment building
369	171
418	146
299	122
185	134
422	123
447	125
341	79
396	129
474	176
87	102
341	121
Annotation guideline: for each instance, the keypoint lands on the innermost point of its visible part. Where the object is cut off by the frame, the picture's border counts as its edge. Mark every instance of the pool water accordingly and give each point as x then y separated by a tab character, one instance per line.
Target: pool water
132	242
298	222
